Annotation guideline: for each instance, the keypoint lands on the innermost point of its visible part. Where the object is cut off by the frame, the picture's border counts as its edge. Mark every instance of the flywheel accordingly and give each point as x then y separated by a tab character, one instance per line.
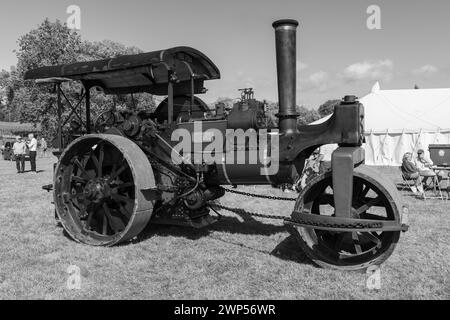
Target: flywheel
104	189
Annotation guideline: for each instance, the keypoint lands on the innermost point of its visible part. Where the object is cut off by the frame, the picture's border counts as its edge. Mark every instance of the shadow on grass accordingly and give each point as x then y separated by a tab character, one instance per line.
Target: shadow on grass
405	191
288	249
226	224
65	233
38	171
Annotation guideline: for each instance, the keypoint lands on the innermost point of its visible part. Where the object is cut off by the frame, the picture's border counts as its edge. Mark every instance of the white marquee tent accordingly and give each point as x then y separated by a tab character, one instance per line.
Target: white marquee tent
398	121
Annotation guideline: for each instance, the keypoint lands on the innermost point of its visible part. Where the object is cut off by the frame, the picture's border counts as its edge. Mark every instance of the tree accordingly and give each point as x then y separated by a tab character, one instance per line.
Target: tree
105	49
53	43
306	116
271	112
4	76
328	107
228	102
7	94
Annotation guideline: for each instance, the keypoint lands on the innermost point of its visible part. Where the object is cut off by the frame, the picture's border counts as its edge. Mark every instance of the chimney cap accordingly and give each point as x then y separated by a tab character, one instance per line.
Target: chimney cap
284	22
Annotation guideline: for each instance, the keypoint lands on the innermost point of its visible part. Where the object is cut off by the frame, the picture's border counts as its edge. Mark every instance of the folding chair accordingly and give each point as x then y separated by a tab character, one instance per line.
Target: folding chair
446	178
448	186
406	183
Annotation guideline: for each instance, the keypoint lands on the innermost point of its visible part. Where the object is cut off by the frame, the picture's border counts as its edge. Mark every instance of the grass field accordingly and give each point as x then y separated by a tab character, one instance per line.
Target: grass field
256	259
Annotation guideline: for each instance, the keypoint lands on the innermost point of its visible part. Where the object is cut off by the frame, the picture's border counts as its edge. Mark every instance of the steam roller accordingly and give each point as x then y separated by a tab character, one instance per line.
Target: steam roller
126	169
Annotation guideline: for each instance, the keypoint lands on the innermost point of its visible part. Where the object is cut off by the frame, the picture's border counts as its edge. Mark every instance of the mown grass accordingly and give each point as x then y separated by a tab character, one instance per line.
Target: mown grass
234	259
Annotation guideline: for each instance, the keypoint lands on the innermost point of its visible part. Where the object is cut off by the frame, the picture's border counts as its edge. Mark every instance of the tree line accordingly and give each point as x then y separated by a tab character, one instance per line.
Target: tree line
306	115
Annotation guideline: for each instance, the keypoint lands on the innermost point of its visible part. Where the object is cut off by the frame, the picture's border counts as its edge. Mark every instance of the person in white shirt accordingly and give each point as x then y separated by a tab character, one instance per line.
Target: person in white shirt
425	167
32	146
19	150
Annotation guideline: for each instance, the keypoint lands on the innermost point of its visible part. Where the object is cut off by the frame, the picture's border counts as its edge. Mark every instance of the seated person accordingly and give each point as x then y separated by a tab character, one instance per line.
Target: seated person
313	167
410	171
424	166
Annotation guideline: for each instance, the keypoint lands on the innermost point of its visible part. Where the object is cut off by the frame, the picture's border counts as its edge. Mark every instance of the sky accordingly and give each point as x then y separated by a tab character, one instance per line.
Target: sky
337	54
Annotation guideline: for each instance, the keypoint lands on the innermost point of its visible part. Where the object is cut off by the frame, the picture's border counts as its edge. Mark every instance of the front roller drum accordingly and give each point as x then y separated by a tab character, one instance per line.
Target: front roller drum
373	199
103	189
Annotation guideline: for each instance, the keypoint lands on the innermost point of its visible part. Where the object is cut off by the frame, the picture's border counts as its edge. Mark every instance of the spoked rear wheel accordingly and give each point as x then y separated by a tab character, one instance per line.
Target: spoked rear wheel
373	198
100	185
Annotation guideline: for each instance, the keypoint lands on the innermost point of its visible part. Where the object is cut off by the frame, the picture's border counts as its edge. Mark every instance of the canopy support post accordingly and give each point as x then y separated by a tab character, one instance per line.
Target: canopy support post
191	107
192	80
170	98
88	108
59	113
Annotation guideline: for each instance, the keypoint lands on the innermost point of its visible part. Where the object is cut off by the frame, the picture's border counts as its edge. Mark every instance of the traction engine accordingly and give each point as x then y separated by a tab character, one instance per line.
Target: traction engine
131	168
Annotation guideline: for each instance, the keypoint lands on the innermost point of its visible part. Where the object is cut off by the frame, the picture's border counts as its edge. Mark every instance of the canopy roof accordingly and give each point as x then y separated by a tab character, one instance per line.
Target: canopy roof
146	72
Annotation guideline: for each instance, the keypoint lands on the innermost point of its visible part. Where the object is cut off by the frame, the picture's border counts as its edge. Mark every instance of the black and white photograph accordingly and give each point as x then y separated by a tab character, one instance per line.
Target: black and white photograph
222	157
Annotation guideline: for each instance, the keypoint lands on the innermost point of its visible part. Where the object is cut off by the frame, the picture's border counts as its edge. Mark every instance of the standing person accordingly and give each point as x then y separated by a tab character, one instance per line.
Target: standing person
32	146
19	150
44	147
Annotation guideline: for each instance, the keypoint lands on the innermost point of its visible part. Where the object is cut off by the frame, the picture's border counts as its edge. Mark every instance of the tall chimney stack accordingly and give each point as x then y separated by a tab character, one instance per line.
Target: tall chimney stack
285	41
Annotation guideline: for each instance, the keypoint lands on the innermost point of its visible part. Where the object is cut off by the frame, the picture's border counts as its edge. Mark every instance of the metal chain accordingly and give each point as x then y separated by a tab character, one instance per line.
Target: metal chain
358	225
259	195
